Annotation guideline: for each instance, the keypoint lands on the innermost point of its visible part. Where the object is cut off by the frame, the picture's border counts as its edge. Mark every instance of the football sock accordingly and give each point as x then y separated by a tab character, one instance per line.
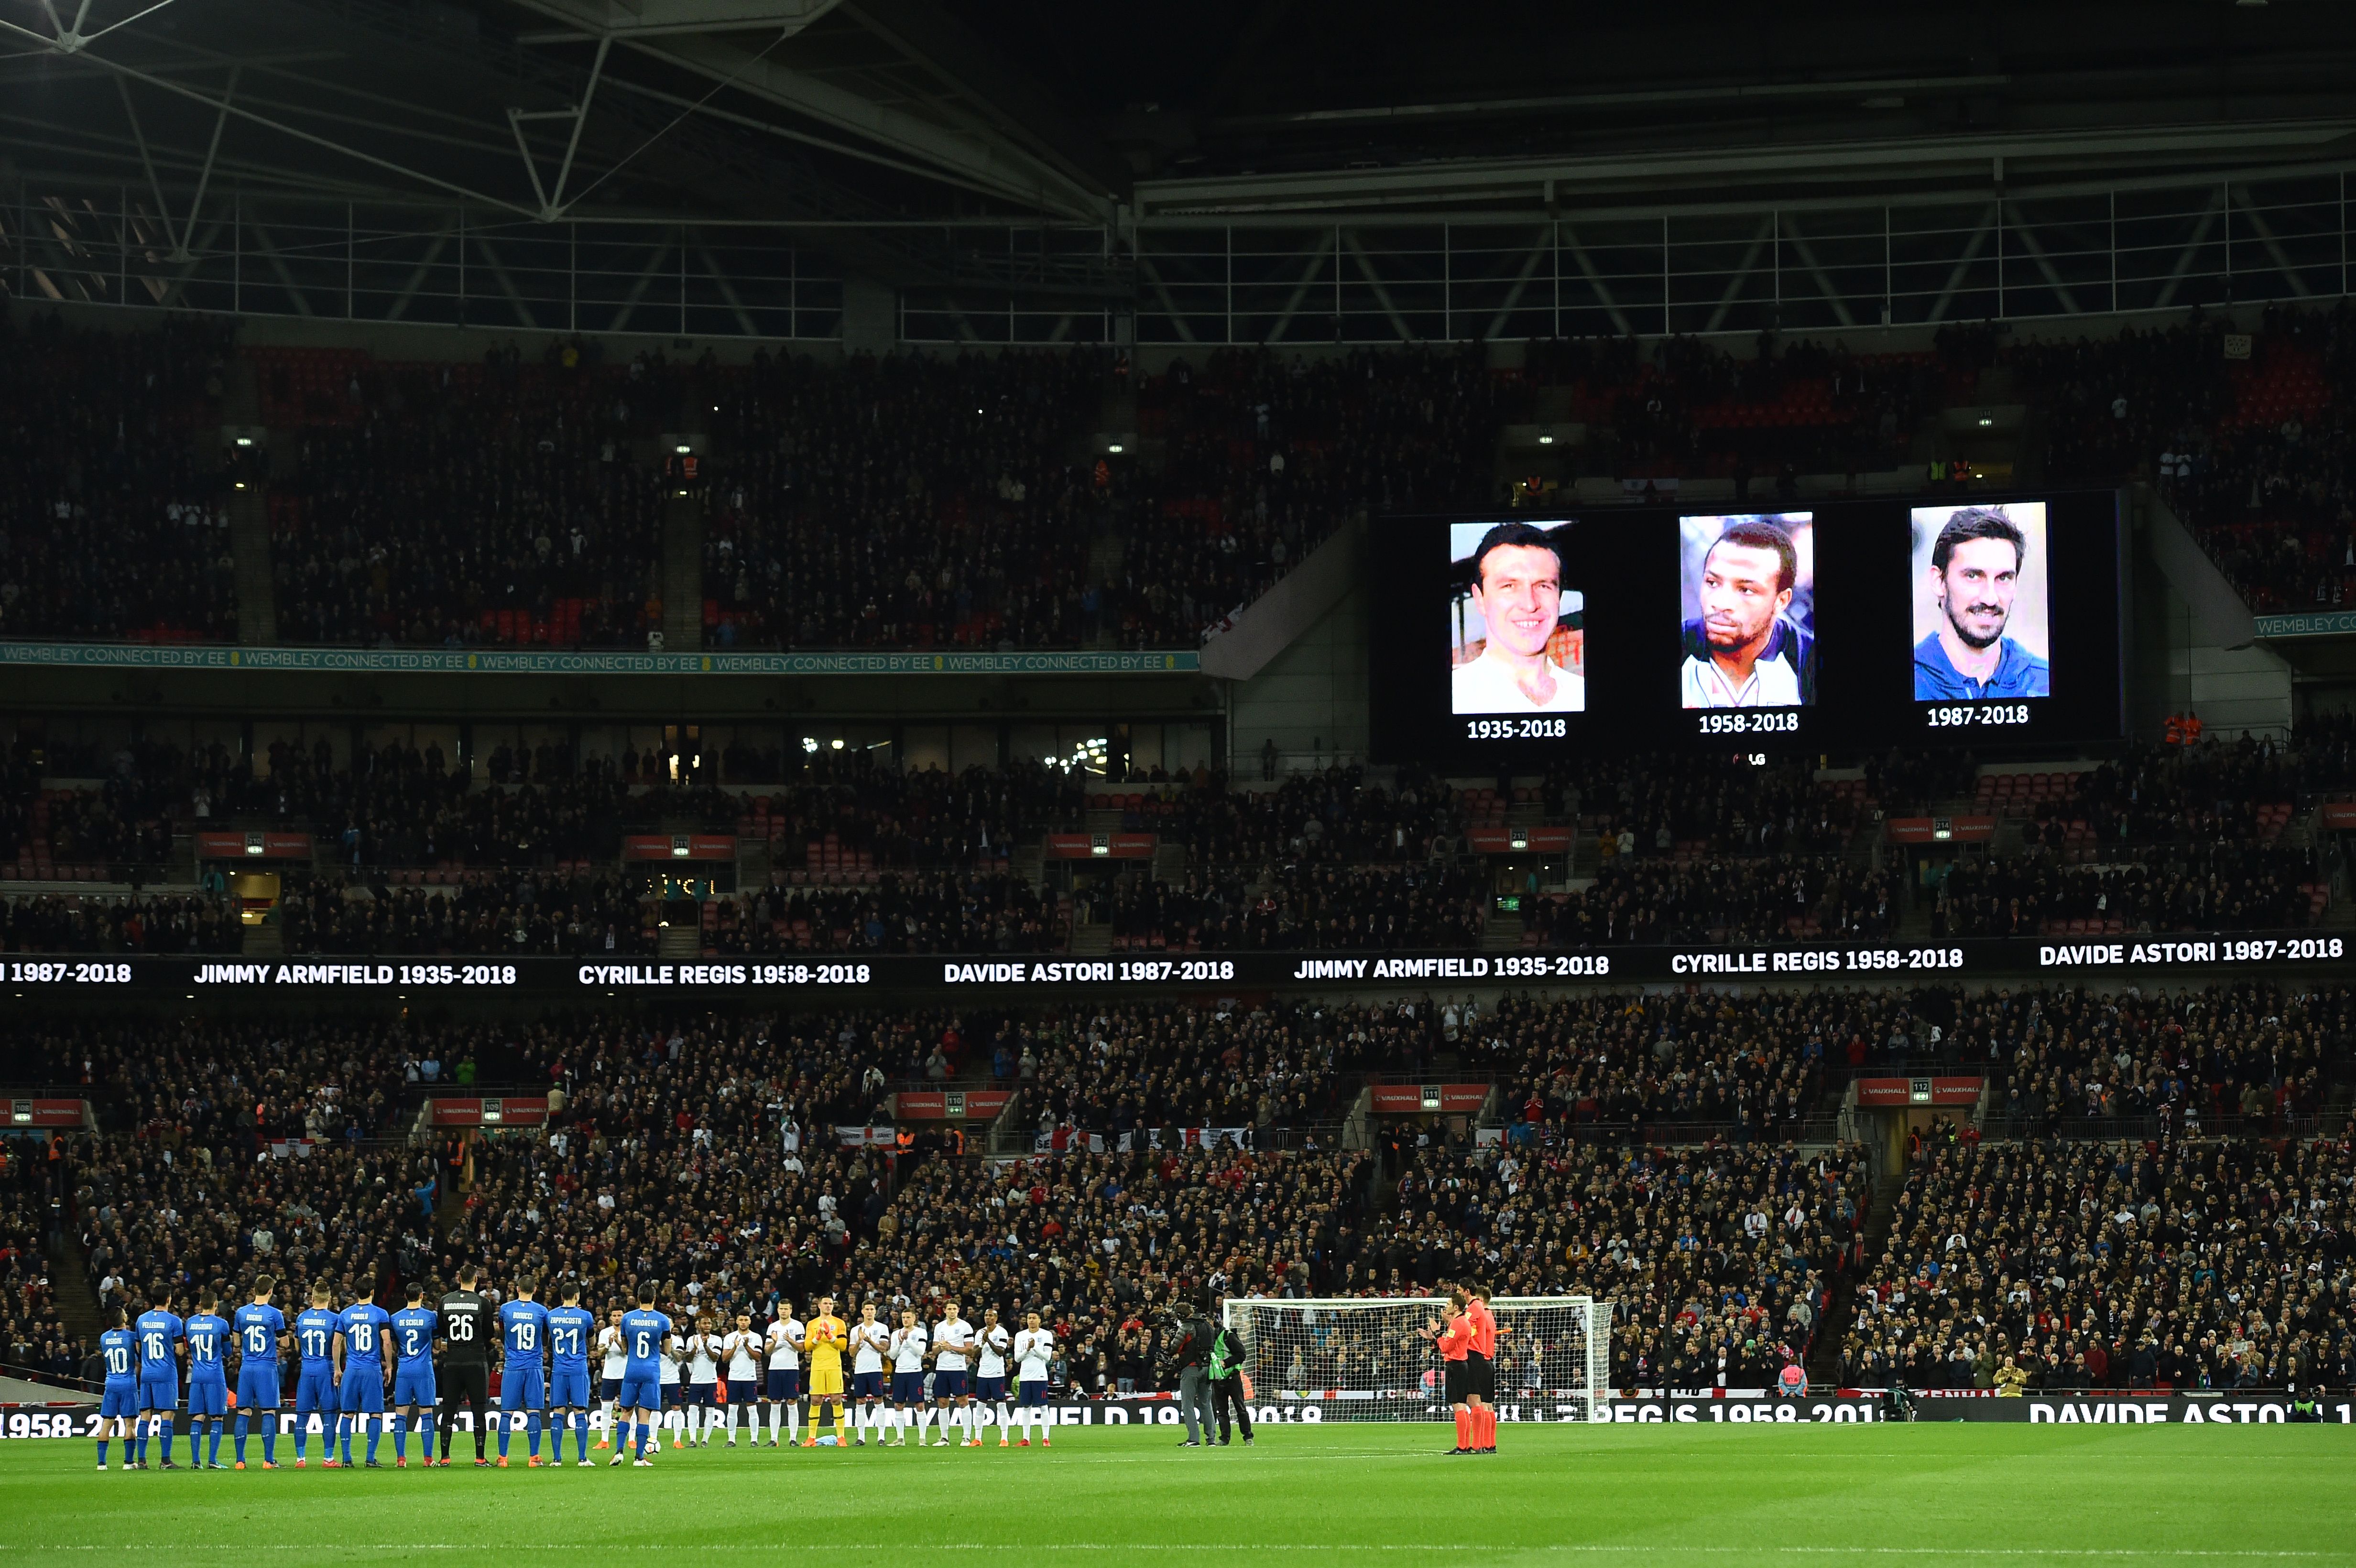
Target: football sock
506	1427
101	1452
840	1436
301	1435
1005	1420
401	1439
1463	1428
239	1442
924	1426
270	1438
195	1436
582	1416
212	1449
532	1437
343	1438
375	1430
606	1407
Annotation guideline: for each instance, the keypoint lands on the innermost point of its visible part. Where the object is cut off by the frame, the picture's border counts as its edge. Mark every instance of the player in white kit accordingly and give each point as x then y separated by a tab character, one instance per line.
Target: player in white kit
990	1370
702	1384
741	1352
953	1399
870	1340
783	1391
1033	1349
609	1371
674	1349
908	1345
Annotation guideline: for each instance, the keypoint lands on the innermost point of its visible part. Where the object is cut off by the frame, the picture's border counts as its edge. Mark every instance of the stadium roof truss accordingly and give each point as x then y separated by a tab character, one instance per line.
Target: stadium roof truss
720	168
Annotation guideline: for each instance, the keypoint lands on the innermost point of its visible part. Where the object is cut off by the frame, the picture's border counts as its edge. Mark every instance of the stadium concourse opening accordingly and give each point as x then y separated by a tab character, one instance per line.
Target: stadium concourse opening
1309	767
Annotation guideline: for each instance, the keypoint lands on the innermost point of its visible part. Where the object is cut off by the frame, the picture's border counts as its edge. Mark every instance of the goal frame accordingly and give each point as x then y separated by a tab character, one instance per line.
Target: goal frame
1404	1404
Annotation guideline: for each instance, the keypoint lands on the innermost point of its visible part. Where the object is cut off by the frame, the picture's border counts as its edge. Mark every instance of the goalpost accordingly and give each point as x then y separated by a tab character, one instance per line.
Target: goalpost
1365	1358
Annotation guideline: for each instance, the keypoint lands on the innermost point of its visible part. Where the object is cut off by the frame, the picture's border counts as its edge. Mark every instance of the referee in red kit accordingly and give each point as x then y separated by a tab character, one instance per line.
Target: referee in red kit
1455	1342
1481	1370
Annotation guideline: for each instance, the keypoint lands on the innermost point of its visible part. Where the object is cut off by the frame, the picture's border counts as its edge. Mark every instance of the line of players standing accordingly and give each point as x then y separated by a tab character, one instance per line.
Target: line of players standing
354	1362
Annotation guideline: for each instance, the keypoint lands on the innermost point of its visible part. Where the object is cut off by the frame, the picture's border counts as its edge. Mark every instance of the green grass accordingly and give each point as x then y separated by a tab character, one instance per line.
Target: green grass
1612	1494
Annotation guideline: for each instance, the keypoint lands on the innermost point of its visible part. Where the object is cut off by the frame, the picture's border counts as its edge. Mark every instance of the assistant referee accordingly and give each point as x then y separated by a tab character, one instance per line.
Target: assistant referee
1454	1340
465	1362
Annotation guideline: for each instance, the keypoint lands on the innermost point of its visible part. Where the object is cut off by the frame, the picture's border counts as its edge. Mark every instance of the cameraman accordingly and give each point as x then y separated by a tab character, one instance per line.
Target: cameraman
1229	1354
1192	1341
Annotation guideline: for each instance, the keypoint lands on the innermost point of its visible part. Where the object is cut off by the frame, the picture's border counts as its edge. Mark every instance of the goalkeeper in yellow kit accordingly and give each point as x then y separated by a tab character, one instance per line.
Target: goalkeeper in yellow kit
823	1338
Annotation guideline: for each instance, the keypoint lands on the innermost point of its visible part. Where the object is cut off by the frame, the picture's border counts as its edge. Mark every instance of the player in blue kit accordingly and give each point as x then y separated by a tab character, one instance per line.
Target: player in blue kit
645	1333
260	1330
360	1374
209	1337
118	1407
571	1333
523	1376
413	1328
314	1377
160	1335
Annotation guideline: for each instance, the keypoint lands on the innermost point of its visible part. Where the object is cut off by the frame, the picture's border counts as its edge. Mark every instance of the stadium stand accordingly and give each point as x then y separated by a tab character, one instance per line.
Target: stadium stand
2192	1264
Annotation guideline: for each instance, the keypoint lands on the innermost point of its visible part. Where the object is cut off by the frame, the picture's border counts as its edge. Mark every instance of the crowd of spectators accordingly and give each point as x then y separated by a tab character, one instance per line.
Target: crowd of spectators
109	526
119	923
1719	899
1647	803
2185	1263
33	1335
1613	1061
2252	452
1265	456
1687	407
512	914
899	912
915	501
2244	1056
460	504
2221	886
1296	906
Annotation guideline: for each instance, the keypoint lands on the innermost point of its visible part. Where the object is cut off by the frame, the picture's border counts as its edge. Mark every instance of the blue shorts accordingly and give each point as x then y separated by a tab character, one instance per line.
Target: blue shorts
1031	1394
948	1385
640	1393
609	1388
697	1394
160	1394
315	1390
119	1400
908	1388
207	1396
990	1391
785	1385
523	1388
363	1390
673	1395
743	1391
257	1386
569	1390
415	1386
867	1385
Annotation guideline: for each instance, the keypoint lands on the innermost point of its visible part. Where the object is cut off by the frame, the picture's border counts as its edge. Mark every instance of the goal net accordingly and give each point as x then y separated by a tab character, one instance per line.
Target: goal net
1351	1359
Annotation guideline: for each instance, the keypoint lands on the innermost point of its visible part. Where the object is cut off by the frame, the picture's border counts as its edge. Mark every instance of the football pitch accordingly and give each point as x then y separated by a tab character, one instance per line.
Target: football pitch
1611	1494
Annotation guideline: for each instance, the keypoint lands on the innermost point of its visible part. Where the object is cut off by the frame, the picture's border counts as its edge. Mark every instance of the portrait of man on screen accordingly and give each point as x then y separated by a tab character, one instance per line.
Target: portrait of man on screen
1747	613
1516	592
1987	621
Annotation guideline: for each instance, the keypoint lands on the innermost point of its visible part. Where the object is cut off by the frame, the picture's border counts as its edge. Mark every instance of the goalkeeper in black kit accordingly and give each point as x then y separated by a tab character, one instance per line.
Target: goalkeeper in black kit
1228	1380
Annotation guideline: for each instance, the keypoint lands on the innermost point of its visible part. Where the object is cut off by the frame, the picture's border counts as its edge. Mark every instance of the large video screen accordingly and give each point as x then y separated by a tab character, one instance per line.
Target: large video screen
1867	622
